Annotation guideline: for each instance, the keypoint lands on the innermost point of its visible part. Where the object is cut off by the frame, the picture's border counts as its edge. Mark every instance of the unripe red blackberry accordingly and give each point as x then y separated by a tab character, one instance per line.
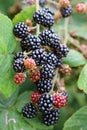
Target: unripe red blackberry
60	99
51	117
29	63
34	75
20	30
29	110
35	96
64	3
81	8
19	78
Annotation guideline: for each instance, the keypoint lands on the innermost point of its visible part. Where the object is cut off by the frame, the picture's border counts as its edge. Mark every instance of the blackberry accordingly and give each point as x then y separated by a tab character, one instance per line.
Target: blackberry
29	110
40	56
63	93
45	103
44	85
20	30
44	17
42	3
18	65
50	38
19	78
66	11
31	42
47	71
60	99
51	117
52	59
19	55
59	63
48	10
62	51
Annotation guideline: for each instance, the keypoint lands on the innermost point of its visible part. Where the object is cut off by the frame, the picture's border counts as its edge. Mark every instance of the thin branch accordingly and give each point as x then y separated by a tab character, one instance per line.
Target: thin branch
66	30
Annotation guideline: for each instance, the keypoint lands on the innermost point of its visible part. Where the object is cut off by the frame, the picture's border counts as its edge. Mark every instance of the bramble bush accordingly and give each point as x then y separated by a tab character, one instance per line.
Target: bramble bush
43	65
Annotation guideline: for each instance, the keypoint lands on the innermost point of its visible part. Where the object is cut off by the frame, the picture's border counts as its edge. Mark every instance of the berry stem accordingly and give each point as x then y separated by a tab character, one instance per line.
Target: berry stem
38	26
58	84
55	78
66	30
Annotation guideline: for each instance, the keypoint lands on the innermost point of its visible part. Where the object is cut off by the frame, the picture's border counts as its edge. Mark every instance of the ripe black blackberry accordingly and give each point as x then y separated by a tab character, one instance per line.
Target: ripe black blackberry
42	3
44	85
20	30
19	55
45	103
50	38
52	59
40	56
44	17
51	117
31	42
66	11
47	71
48	10
29	110
62	51
18	65
59	63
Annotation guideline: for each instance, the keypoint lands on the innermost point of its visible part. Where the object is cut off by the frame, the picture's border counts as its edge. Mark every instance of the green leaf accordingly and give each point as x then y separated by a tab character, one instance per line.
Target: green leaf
23	15
82	81
5	5
7	48
3	101
12	100
77	121
74	59
22	100
12	120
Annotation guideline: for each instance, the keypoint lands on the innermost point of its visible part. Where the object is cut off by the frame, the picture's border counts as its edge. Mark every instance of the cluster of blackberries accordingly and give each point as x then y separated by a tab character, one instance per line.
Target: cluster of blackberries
44	17
35	55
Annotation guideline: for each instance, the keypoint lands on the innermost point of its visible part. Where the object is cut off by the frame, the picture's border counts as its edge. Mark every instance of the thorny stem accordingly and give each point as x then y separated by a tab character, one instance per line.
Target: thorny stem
37	8
66	30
